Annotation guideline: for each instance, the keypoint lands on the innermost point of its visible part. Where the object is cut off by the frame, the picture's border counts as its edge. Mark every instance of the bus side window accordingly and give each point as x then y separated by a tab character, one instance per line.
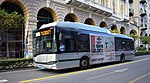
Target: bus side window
68	39
129	45
83	43
118	44
123	47
60	40
62	46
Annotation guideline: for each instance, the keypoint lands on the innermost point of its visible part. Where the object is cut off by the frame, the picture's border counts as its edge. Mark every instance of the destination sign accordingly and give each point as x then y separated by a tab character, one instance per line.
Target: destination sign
45	32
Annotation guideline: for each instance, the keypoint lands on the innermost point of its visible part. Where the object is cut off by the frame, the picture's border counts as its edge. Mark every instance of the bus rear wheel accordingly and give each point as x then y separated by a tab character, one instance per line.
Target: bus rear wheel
84	63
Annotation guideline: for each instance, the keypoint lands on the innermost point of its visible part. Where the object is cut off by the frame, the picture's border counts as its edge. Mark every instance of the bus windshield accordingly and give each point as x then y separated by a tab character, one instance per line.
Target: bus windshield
43	41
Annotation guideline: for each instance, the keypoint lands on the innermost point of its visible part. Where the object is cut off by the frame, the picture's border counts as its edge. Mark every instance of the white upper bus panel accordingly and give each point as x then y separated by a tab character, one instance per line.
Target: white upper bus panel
84	27
76	26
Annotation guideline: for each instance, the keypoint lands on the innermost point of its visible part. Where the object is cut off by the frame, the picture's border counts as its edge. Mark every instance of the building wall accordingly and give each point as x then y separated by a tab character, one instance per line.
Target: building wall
137	17
148	24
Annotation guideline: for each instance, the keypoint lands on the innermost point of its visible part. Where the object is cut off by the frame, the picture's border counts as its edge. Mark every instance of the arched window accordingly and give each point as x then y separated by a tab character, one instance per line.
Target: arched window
89	21
103	24
45	16
71	17
122	30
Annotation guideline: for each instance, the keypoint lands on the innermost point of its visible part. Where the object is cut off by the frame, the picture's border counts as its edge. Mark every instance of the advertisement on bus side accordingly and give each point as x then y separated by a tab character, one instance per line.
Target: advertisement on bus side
102	48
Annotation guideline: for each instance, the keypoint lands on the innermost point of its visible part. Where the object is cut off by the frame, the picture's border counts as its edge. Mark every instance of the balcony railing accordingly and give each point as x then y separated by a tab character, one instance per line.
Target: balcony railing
93	6
131	12
143	26
143	12
143	1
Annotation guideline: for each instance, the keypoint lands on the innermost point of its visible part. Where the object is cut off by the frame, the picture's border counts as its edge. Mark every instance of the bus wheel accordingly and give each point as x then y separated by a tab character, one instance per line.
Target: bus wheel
84	63
122	58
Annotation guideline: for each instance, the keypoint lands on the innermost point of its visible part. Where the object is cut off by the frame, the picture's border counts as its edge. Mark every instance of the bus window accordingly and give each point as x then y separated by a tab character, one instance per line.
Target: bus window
43	41
83	42
117	44
62	46
123	47
124	44
130	45
68	38
120	44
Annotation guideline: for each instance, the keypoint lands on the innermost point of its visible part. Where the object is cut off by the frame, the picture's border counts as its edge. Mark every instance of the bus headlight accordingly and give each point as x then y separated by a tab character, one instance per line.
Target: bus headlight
52	62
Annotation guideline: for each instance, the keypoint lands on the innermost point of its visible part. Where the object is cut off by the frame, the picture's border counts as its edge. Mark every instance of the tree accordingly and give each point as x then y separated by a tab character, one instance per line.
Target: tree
145	40
10	21
113	31
133	36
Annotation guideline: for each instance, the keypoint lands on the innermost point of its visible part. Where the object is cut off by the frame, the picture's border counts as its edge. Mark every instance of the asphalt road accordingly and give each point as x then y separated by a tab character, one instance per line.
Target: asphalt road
136	71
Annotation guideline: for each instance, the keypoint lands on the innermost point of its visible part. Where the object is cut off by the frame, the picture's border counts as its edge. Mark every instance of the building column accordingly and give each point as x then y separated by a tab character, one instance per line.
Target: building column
127	7
109	3
32	25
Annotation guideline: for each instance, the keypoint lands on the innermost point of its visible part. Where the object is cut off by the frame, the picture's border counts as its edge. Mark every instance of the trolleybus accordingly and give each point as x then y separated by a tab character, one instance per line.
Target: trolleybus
61	45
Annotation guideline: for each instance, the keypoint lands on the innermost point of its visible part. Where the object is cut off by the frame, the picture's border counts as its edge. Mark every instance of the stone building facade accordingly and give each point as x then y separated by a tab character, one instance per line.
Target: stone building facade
111	14
140	17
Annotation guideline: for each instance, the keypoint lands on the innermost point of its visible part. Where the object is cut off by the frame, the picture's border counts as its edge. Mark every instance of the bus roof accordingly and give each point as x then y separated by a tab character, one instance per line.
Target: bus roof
77	26
122	36
84	27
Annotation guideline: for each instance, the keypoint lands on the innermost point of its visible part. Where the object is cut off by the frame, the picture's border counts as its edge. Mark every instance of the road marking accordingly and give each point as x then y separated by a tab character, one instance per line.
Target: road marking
4	80
139	78
19	71
121	70
100	75
115	71
82	71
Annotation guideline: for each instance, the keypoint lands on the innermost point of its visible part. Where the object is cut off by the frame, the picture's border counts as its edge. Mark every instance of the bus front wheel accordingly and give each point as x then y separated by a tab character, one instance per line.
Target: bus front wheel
84	63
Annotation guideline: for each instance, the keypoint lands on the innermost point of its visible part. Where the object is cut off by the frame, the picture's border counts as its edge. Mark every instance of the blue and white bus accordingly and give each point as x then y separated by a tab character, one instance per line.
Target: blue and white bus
61	45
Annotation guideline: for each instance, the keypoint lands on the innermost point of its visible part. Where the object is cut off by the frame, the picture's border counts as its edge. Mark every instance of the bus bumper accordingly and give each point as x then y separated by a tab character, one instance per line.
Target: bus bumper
44	66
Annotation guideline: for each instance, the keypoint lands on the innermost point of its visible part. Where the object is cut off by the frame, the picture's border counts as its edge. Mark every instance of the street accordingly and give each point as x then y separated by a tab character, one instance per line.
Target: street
135	71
